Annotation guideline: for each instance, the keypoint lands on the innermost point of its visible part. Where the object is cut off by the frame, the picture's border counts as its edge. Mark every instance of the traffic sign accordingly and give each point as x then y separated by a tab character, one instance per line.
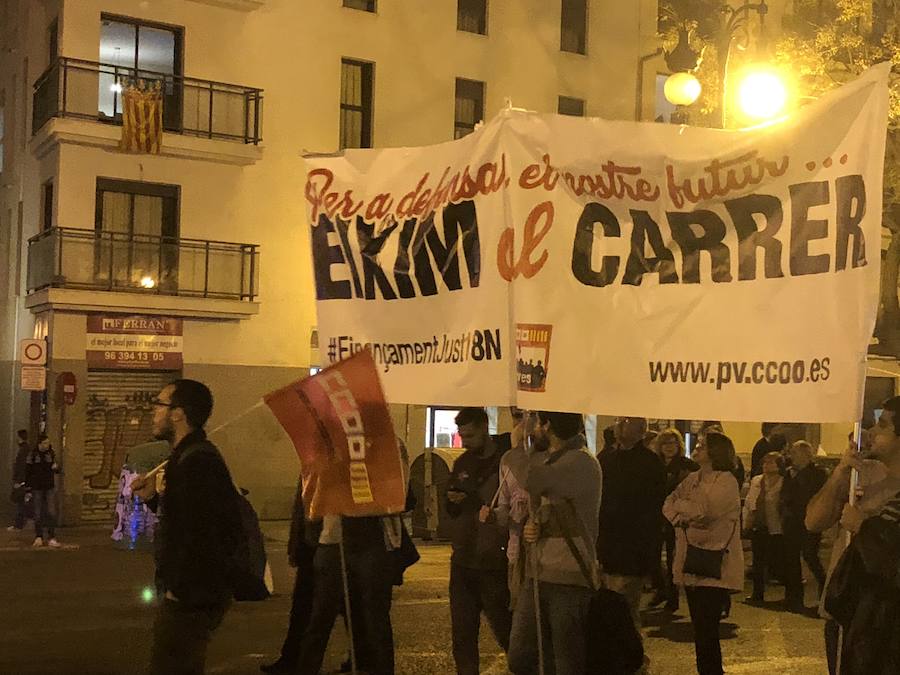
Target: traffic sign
34	378
33	352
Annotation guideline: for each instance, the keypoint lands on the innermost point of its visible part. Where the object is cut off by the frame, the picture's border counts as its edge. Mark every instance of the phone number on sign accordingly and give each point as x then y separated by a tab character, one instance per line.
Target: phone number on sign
134	356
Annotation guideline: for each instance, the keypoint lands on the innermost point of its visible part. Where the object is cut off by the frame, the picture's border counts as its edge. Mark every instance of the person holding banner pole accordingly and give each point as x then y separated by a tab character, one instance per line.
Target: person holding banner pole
565	487
878	465
478	564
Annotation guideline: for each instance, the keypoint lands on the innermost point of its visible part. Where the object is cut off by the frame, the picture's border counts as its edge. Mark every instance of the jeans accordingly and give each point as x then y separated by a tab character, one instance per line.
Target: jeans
44	512
705	604
768	553
564	611
181	636
473	591
631	588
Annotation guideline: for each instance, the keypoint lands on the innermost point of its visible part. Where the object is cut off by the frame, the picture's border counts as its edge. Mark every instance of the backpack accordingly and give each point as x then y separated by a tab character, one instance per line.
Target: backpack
249	570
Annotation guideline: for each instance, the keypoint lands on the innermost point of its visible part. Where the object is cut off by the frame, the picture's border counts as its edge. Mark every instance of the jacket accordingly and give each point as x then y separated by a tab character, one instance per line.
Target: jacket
705	511
19	465
796	492
865	596
565	489
634	487
200	524
477	545
40	469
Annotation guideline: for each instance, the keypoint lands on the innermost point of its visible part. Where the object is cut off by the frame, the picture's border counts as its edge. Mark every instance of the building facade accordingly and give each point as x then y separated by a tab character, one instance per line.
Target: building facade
194	262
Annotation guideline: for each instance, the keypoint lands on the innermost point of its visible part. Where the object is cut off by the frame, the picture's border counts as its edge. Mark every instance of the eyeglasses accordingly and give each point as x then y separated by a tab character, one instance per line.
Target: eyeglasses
161	404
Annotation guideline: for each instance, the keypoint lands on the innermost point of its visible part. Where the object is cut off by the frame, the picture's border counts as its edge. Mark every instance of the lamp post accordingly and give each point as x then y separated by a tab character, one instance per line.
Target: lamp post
766	94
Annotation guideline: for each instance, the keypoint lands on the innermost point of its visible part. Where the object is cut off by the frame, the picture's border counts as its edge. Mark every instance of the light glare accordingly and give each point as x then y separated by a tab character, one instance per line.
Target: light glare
762	95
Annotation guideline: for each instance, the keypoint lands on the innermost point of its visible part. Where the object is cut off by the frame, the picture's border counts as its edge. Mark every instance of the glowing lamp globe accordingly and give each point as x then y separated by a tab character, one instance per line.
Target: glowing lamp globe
681	89
762	94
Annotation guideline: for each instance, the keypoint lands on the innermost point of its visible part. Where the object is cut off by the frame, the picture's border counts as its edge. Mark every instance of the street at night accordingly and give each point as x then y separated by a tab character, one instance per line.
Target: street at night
80	611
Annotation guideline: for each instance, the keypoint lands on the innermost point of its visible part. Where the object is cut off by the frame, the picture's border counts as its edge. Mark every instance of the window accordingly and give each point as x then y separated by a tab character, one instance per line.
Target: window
47	206
471	16
571	106
137	227
440	426
364	5
469	106
151	52
356	104
573	26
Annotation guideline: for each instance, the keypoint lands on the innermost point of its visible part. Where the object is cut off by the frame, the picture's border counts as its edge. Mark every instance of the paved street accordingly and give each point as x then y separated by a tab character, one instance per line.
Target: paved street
79	610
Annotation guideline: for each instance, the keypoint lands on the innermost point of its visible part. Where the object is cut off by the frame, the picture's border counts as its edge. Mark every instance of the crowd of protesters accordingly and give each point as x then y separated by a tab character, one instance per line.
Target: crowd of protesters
552	544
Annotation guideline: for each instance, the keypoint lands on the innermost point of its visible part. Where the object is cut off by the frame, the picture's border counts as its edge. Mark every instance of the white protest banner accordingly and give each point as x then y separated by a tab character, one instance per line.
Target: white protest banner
612	267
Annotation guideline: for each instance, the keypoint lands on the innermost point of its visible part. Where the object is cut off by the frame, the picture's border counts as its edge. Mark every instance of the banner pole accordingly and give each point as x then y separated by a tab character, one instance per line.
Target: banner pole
537	603
854	489
347	603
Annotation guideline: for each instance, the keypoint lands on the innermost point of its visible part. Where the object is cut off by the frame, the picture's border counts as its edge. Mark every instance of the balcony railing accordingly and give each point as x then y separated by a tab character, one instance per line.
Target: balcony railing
64	257
93	91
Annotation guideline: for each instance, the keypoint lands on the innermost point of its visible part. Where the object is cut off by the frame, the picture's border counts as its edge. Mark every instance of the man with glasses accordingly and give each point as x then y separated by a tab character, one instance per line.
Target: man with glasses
198	533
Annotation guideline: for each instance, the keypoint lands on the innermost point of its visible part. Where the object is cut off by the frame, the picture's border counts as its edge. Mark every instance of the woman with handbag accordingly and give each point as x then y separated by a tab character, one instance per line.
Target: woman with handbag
705	510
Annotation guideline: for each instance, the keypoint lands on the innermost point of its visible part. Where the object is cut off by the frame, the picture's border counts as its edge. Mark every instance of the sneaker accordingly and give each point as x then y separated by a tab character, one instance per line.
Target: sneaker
53	543
13	528
38	542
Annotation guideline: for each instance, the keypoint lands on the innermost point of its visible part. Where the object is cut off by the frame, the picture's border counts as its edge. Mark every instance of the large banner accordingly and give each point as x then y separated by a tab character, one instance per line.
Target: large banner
620	268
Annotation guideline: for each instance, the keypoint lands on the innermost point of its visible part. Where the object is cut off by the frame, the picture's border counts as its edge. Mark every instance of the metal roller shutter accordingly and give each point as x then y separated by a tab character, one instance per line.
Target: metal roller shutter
119	416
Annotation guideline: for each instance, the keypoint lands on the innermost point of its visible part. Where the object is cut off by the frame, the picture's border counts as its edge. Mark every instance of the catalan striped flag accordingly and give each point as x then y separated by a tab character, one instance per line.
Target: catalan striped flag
341	427
142	125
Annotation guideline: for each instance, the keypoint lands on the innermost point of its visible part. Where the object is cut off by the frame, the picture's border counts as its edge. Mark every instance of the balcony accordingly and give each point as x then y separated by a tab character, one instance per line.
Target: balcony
87	90
190	277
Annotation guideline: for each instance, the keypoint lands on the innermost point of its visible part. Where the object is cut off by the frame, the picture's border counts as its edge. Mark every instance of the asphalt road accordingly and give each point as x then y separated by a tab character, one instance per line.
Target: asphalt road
80	610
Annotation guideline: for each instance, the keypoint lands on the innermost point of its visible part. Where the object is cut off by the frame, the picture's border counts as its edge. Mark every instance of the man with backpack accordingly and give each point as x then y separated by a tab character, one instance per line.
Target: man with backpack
564	487
200	534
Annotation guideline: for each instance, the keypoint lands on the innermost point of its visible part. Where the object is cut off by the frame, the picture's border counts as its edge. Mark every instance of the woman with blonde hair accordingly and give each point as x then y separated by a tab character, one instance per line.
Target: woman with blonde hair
670	448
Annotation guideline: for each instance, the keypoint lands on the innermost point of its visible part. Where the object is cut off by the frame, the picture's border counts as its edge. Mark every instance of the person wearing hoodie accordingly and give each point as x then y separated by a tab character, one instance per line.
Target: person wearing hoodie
40	478
564	487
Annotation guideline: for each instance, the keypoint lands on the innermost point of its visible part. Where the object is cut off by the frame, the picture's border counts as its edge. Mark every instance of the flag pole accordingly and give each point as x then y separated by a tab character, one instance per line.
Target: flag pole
854	489
537	603
347	602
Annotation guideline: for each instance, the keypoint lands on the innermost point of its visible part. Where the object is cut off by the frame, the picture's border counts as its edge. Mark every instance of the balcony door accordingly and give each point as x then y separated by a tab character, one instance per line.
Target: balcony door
131	50
136	228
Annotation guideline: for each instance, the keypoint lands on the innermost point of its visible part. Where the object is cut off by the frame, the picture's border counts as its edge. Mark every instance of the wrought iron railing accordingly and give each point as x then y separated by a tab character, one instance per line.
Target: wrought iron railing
91	90
64	257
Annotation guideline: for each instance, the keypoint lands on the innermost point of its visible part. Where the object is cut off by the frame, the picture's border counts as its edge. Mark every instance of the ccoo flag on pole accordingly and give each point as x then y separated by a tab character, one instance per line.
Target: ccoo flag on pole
339	423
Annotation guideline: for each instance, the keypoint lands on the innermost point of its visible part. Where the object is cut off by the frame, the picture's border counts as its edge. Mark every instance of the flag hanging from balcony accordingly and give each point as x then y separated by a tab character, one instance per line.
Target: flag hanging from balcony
341	428
142	124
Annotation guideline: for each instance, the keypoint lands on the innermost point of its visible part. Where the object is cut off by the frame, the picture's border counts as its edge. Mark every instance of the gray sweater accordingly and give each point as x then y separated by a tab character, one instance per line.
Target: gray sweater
565	488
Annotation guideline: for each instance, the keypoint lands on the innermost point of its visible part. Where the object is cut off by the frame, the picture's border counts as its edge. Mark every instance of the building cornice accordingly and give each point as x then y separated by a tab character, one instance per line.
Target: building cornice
106	136
76	300
241	5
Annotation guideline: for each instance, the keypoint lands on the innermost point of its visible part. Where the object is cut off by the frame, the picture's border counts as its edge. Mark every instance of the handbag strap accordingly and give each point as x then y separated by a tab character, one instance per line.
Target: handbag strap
727	542
573	549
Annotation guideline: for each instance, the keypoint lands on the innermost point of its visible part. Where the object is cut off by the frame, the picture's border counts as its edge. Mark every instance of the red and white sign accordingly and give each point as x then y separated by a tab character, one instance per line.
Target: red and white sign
33	352
134	342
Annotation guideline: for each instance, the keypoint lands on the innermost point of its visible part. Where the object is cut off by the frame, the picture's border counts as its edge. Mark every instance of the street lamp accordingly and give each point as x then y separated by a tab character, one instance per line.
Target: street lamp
682	88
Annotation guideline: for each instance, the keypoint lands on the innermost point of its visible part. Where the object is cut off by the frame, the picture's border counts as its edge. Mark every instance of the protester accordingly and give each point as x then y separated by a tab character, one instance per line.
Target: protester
478	565
198	534
762	448
670	448
40	480
705	510
19	489
801	483
564	489
511	511
763	523
300	557
737	470
634	487
879	474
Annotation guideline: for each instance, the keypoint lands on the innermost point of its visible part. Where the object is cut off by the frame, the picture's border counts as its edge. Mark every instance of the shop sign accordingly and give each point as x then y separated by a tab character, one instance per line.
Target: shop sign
138	342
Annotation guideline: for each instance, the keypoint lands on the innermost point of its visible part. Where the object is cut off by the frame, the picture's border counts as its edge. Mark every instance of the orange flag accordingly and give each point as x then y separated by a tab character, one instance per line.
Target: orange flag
142	125
339	423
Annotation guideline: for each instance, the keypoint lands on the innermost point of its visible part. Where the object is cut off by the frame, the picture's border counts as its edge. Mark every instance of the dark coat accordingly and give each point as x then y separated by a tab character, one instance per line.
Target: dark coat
40	469
200	525
796	492
19	464
477	545
634	489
